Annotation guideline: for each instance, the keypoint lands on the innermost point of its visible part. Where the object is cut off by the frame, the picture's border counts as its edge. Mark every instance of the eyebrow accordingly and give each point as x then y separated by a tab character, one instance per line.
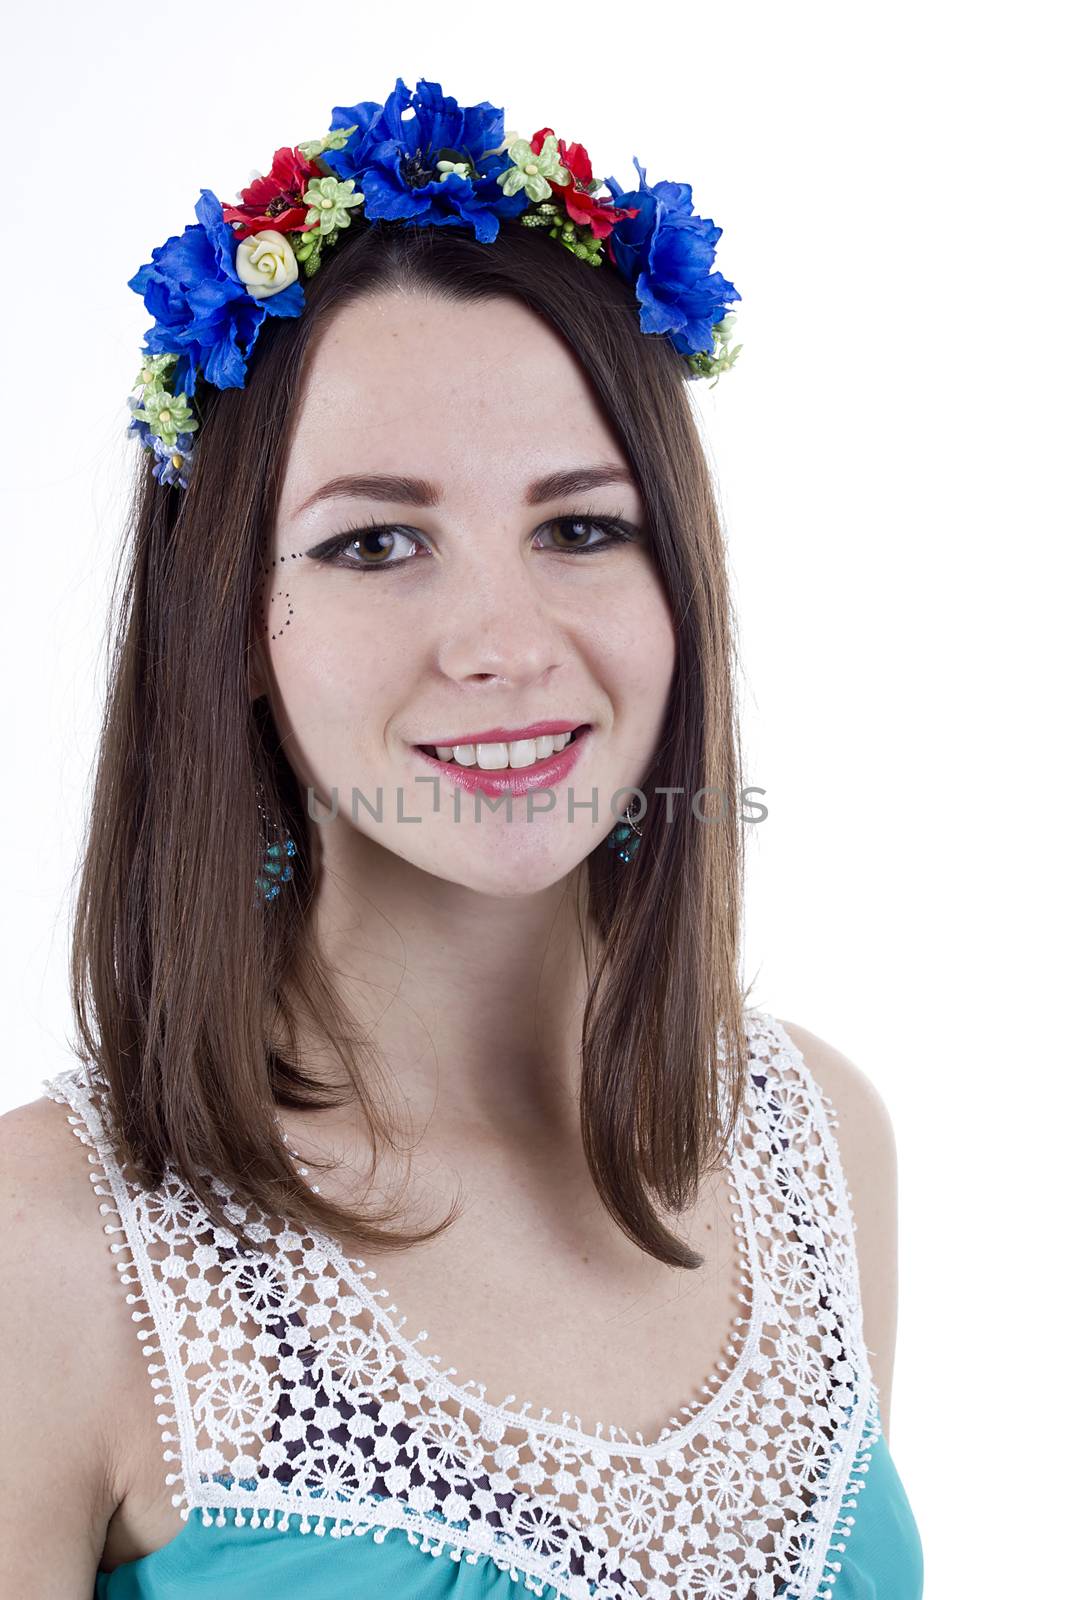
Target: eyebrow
419	492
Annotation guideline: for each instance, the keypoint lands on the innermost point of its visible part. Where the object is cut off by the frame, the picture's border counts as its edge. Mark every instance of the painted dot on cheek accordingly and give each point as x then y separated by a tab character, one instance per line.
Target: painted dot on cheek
283	596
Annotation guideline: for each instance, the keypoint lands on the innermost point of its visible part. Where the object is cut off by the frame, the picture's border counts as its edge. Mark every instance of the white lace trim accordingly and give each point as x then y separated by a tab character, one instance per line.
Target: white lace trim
295	1393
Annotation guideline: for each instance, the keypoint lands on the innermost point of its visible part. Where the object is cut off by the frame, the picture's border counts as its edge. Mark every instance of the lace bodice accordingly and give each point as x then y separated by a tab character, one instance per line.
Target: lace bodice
288	1387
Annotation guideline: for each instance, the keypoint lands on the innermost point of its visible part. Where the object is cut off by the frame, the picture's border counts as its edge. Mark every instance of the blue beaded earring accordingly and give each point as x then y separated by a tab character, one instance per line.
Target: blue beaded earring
624	840
276	869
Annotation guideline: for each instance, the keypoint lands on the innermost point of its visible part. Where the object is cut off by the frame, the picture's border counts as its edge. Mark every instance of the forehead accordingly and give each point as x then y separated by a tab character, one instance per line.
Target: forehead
472	395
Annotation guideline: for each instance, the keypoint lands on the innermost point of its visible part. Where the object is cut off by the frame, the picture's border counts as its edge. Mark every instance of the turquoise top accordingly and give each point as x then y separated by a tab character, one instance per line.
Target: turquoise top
881	1559
327	1456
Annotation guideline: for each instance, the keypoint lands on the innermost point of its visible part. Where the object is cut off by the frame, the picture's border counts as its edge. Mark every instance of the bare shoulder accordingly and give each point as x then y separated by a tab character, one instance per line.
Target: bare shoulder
62	1354
867	1147
46	1169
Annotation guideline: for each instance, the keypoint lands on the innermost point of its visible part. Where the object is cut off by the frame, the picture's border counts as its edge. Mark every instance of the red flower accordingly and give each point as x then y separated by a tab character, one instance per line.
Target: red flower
599	215
275	200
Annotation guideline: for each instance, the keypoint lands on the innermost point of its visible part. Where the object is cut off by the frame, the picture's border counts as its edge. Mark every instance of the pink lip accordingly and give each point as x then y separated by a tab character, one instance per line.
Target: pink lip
536	730
513	780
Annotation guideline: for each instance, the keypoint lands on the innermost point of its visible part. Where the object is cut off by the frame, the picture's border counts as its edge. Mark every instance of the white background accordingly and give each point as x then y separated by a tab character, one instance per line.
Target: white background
890	184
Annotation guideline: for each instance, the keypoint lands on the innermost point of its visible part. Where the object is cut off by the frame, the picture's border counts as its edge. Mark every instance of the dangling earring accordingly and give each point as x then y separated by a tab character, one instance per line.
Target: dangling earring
276	869
624	840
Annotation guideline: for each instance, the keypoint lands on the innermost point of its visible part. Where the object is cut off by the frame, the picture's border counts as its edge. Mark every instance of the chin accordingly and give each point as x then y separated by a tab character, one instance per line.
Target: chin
500	871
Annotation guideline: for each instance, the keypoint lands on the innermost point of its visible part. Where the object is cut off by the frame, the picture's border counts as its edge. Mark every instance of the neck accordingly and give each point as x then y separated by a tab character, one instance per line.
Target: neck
473	1003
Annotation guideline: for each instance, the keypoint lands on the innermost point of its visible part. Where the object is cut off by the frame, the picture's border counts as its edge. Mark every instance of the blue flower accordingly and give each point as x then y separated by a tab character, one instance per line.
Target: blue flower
394	160
203	311
665	252
138	429
182	452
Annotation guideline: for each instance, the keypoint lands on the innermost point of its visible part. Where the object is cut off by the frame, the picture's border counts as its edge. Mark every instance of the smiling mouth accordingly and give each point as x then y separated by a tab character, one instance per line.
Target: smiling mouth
513	757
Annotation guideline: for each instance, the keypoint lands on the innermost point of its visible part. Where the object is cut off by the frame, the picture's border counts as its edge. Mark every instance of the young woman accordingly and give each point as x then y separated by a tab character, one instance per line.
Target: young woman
372	983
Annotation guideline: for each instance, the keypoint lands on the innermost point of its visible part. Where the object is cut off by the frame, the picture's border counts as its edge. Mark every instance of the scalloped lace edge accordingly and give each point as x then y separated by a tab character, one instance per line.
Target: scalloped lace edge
860	1466
425	1531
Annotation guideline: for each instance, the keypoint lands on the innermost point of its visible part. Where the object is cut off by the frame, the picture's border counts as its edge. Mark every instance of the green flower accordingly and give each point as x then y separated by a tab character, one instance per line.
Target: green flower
333	141
329	200
713	363
154	369
532	172
166	414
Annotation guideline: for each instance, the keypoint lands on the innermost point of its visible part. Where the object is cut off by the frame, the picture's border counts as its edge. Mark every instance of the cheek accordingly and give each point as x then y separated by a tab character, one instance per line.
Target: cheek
337	673
638	649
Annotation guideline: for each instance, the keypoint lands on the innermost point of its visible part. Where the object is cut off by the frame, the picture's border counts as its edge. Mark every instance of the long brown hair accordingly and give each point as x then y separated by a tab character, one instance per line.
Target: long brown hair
184	986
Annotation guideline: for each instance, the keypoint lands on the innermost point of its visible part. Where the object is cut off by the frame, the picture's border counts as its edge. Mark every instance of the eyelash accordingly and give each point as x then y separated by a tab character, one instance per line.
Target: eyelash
618	531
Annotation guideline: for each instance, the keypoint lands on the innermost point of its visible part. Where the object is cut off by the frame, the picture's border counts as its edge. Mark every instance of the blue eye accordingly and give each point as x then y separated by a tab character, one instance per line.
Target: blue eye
377	541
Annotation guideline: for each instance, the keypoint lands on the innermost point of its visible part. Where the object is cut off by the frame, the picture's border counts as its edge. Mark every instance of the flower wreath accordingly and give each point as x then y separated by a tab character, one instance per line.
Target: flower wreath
419	159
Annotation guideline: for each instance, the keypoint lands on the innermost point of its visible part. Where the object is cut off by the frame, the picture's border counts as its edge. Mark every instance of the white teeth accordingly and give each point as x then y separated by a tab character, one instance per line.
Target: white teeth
495	757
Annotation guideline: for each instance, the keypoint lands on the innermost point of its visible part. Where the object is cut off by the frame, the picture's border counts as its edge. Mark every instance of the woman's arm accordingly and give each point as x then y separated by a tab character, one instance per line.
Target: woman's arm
59	1359
868	1156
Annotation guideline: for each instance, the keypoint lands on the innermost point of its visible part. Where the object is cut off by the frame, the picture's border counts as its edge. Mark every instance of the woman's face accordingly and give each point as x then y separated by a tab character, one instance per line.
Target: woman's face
489	602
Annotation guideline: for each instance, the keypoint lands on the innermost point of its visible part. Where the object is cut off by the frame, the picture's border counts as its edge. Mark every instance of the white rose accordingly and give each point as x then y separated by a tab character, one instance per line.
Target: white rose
265	263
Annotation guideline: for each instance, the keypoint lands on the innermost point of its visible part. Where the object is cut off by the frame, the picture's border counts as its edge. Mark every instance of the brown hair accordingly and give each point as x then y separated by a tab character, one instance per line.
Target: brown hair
184	986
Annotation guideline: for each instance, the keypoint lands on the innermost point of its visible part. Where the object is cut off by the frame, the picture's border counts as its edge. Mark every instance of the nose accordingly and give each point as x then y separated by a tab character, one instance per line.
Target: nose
500	624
